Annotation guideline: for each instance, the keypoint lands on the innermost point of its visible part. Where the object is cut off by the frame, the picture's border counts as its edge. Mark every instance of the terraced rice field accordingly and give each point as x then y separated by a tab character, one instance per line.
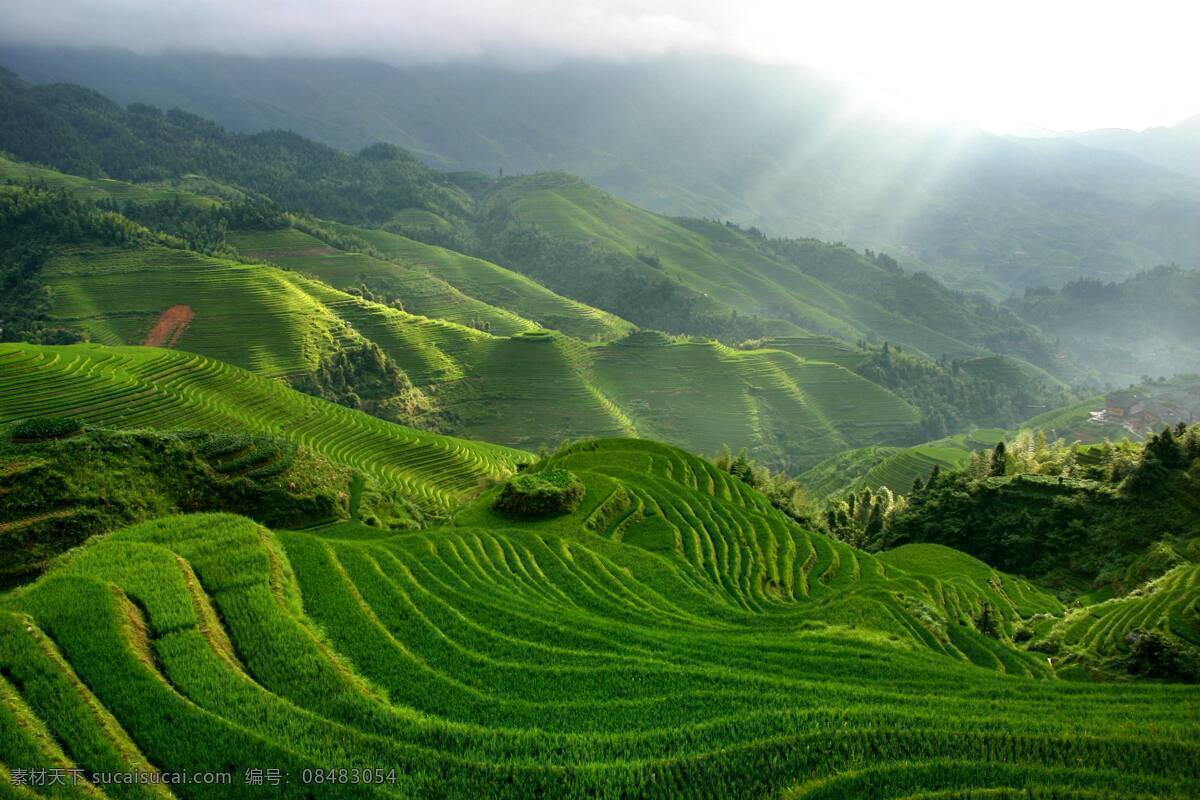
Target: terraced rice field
251	316
896	467
420	291
278	323
1169	603
127	387
704	394
819	348
674	638
496	286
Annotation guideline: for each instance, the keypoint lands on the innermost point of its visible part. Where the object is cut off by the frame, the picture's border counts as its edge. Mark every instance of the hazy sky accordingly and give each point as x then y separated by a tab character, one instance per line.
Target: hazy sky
1058	64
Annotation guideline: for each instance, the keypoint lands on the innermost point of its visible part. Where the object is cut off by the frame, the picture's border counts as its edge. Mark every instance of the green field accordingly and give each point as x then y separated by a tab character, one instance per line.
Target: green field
674	637
134	387
496	286
721	263
894	467
191	190
421	291
526	390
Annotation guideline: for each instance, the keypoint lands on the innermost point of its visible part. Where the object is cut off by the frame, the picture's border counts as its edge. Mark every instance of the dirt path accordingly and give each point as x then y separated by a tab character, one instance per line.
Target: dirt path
170	327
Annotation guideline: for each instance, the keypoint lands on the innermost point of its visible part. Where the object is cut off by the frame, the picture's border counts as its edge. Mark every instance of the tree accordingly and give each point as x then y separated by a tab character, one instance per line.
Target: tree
999	460
743	470
985	623
917	485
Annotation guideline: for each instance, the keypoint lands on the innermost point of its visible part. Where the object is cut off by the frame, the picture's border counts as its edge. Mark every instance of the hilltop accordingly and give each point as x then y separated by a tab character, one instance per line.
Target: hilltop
416	349
682	276
786	150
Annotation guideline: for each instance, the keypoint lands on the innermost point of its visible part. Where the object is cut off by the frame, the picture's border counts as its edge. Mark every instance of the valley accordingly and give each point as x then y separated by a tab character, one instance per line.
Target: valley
365	473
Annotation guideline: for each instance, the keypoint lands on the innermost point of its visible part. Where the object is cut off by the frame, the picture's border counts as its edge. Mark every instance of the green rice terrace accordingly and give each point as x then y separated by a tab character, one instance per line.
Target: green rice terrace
329	474
515	383
672	634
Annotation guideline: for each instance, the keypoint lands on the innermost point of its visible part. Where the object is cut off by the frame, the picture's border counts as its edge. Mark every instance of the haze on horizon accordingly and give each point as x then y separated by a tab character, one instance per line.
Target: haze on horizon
1015	67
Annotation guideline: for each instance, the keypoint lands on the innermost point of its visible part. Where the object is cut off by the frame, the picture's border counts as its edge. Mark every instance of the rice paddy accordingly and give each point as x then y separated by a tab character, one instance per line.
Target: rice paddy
674	637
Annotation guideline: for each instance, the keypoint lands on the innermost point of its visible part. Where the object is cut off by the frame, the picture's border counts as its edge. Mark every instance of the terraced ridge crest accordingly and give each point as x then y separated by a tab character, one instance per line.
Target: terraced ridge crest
568	658
130	387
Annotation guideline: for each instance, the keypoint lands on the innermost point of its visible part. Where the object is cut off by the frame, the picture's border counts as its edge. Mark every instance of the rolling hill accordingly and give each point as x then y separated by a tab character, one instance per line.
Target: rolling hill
674	635
787	150
138	387
681	275
515	384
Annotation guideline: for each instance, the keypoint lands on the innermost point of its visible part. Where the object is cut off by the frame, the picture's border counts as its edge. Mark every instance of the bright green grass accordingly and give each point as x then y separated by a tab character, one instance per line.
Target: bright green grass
255	317
819	348
496	286
510	390
537	389
893	467
129	387
568	659
896	467
713	259
192	190
1010	371
1170	603
709	395
419	290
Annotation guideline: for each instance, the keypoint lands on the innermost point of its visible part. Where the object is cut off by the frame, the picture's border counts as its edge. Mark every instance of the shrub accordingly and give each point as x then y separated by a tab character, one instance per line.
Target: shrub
38	428
541	494
1157	655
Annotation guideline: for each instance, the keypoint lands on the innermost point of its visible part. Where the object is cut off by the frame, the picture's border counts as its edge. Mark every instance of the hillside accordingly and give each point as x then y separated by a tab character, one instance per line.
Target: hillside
432	281
787	150
682	276
1143	325
718	279
137	387
1078	515
1174	147
56	491
416	350
673	634
894	467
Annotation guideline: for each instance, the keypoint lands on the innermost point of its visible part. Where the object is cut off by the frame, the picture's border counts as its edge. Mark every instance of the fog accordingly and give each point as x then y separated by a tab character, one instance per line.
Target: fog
1019	65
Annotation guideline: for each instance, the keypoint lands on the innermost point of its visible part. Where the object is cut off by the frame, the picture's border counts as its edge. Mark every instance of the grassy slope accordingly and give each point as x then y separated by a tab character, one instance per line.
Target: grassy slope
169	390
255	317
716	260
496	285
56	493
506	389
895	467
675	636
421	292
193	189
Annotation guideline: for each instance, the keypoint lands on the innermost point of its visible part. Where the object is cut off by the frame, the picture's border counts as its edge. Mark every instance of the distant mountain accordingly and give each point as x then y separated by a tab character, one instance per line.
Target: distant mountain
1158	333
677	275
1176	147
788	151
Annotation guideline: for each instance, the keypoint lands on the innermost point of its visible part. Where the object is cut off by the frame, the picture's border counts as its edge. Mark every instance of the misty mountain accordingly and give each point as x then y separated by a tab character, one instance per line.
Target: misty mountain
1175	147
789	151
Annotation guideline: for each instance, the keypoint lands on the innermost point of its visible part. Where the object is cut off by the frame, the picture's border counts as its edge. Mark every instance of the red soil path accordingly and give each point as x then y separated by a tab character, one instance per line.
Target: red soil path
170	327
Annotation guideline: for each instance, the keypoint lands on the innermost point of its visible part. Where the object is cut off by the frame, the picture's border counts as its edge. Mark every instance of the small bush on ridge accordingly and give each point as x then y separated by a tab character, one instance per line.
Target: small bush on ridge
541	494
37	428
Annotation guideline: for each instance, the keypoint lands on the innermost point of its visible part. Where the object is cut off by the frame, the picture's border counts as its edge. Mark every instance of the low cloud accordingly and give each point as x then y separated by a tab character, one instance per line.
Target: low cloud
399	31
